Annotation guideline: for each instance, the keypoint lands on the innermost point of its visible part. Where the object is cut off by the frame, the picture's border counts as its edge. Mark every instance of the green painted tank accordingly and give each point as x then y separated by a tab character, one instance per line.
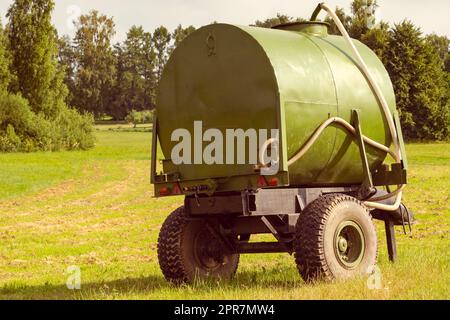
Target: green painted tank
292	77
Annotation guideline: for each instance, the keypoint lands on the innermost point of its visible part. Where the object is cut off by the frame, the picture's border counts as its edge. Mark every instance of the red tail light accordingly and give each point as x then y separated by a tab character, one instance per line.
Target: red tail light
176	189
164	191
273	182
169	190
262	181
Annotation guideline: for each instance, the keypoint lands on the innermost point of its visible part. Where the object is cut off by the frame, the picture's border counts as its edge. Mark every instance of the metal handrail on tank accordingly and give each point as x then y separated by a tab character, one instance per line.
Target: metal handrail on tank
382	101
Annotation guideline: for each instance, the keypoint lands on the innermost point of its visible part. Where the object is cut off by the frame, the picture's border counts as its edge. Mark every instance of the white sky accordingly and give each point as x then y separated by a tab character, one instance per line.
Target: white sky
430	15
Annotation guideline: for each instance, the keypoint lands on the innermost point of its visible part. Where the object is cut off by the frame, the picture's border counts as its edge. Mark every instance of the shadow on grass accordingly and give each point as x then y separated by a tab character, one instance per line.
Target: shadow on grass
147	285
89	290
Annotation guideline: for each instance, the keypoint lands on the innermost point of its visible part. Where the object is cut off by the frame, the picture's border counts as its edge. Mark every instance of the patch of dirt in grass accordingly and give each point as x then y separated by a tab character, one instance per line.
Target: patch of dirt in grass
56	191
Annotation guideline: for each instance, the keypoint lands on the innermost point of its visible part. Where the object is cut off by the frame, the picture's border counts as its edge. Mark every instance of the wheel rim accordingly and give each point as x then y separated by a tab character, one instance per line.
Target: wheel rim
349	244
208	251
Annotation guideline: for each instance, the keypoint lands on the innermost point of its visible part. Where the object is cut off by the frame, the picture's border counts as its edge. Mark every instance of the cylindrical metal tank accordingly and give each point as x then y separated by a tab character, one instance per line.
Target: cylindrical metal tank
292	77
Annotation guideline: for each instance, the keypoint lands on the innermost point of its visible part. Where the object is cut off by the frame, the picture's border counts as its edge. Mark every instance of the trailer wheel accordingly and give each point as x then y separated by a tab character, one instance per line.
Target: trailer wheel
187	250
335	239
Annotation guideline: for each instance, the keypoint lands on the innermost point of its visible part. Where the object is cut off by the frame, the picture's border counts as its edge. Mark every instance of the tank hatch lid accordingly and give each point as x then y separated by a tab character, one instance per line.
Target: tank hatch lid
317	28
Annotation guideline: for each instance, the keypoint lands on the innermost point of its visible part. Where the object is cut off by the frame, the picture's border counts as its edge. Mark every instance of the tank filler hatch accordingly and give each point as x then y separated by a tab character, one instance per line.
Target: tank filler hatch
316	28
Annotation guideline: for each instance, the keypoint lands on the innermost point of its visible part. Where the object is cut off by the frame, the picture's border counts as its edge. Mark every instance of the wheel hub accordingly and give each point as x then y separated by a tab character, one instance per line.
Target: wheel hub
342	244
349	244
208	250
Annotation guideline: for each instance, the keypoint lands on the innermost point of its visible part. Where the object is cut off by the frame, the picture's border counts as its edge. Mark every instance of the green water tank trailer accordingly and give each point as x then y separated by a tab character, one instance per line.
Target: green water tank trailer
292	77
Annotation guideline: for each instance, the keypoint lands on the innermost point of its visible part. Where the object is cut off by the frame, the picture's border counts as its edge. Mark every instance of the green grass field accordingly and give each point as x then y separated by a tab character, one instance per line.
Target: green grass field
95	210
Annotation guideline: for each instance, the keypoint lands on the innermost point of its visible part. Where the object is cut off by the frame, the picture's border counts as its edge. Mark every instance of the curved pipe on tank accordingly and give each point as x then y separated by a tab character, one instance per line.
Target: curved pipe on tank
351	129
363	67
367	140
345	125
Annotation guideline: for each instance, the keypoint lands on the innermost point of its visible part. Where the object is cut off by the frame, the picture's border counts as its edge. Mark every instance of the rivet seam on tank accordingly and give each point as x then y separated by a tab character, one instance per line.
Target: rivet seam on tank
211	44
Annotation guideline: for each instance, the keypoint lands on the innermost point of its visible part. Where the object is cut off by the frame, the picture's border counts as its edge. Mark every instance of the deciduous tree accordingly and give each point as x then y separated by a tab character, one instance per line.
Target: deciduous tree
32	40
33	114
5	74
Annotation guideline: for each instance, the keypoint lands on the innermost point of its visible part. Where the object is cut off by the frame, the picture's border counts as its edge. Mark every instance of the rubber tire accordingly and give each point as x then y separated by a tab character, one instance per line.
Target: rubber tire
314	242
176	252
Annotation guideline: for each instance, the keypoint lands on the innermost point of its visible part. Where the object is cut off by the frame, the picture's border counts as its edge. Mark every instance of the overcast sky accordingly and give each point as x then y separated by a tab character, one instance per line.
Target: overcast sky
430	15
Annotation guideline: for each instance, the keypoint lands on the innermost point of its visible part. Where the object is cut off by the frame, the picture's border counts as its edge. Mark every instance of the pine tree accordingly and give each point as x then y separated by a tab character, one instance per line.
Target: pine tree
95	63
377	39
135	78
345	19
279	19
419	83
161	41
66	59
179	34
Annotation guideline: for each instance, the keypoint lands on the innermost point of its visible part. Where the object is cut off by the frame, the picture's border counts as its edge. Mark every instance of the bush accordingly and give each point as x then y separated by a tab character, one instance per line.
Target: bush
136	117
20	127
23	130
76	130
10	141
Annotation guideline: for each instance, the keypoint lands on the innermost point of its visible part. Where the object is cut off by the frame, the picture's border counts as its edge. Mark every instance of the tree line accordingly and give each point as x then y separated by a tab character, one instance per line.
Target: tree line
418	65
52	87
113	80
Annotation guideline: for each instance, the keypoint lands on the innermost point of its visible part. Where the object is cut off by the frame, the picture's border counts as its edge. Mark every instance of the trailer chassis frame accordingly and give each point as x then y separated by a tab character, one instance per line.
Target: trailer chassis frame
233	217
